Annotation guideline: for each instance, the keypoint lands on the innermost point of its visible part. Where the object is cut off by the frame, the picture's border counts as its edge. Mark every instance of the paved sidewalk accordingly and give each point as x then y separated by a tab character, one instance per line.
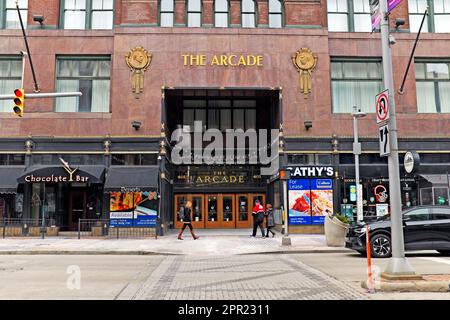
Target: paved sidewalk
211	242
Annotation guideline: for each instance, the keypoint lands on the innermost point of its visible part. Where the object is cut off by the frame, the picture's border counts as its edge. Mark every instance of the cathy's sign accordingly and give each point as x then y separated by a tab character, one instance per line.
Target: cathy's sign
222	60
311	171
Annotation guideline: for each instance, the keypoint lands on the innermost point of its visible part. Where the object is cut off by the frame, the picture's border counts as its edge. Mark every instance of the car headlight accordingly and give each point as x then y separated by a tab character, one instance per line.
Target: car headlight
361	230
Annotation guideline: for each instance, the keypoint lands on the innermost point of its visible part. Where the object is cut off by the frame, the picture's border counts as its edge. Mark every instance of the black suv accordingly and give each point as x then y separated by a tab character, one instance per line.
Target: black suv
424	228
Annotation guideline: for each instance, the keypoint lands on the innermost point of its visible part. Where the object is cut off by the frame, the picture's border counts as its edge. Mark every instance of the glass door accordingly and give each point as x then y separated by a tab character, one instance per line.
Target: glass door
227	209
212	210
180	202
262	199
198	217
243	210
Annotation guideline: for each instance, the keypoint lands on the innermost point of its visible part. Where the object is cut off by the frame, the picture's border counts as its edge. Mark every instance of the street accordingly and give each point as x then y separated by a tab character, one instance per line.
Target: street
255	276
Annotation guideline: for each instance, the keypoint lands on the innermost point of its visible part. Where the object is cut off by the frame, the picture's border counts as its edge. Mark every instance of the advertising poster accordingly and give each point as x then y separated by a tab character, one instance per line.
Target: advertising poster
321	199
133	209
299	201
375	11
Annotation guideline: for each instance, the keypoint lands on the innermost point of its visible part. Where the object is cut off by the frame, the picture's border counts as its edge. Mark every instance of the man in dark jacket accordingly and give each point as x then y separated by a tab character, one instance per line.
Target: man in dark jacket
258	218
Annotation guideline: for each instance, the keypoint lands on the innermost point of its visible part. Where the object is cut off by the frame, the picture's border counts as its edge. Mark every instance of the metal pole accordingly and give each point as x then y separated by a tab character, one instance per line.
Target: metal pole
398	264
42	95
22	80
356	152
43	215
285	208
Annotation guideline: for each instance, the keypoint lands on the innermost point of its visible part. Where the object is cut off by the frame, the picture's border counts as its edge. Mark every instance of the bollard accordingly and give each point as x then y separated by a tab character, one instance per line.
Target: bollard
369	261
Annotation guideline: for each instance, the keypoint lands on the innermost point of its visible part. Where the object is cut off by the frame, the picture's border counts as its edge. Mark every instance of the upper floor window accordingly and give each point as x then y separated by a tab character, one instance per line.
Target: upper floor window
167	13
437	19
275	14
349	15
221	13
433	87
91	76
10	20
248	10
88	14
355	83
194	13
10	76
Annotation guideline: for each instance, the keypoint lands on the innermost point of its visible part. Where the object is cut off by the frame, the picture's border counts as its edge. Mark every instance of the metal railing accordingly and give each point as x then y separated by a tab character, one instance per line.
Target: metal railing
17	227
97	228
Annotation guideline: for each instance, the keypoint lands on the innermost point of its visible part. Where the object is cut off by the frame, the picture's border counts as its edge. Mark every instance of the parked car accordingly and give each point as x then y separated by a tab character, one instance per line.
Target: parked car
424	228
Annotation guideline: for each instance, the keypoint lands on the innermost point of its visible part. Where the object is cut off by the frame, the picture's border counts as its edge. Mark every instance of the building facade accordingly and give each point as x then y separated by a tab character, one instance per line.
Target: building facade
148	68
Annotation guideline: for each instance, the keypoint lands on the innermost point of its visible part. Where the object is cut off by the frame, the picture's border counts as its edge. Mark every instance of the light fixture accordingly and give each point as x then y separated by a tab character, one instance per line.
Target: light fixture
136	124
399	22
308	124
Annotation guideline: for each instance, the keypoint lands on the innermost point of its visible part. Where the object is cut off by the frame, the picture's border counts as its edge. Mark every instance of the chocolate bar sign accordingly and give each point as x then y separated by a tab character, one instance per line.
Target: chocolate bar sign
311	171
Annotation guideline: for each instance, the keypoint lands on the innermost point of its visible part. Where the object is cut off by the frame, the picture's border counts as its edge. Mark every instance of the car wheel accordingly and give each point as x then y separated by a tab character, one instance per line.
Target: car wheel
380	246
444	252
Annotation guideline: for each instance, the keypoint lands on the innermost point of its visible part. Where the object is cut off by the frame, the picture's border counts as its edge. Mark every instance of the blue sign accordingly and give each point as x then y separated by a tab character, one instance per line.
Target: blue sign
321	184
297	220
298	184
318	220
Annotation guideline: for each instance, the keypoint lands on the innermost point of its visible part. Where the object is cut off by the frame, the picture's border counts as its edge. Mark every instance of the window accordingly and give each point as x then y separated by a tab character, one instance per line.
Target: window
11	19
89	75
309	159
248	10
437	19
194	13
275	14
417	215
440	213
355	83
12	159
221	13
10	75
73	159
166	11
134	159
432	87
88	14
349	15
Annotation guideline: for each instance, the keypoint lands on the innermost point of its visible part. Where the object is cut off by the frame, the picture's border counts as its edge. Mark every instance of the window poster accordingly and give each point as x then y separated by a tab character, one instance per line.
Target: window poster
129	209
299	201
321	199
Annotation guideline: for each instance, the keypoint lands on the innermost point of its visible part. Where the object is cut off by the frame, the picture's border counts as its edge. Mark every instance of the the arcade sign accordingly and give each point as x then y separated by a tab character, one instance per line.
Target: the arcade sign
311	171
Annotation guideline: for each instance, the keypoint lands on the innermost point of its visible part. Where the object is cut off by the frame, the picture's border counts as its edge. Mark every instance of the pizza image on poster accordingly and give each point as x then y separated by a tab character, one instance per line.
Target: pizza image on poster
321	199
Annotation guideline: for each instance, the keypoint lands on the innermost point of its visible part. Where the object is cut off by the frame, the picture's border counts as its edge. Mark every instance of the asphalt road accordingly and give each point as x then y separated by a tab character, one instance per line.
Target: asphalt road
269	276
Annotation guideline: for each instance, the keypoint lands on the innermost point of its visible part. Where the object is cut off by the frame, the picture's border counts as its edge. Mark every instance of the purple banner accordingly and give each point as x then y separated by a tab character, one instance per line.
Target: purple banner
376	12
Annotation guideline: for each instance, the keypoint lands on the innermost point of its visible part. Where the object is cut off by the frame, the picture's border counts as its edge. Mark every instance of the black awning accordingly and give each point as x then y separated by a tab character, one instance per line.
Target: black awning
8	178
55	174
131	179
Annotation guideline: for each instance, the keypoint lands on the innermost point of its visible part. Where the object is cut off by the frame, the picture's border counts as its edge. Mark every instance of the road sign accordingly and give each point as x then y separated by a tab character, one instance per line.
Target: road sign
385	147
382	106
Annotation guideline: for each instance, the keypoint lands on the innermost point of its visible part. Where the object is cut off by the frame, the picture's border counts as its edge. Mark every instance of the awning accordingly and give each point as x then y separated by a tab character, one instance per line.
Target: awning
8	178
55	174
131	179
436	179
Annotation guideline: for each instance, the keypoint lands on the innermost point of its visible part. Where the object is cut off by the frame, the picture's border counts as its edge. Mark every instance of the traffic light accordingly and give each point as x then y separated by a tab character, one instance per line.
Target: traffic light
19	102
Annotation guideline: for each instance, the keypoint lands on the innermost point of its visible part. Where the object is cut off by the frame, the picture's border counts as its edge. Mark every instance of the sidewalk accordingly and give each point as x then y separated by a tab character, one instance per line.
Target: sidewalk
211	242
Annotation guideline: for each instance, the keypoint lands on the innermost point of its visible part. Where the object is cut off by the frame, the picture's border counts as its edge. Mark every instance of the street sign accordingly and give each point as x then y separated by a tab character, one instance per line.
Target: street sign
385	147
382	106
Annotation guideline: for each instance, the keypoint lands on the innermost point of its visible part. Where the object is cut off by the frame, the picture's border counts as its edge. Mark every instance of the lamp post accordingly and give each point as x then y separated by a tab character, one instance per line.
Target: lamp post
357	114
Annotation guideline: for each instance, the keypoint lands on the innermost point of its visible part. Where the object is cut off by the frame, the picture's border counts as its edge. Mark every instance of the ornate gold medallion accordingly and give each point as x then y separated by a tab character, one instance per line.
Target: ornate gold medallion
305	61
138	60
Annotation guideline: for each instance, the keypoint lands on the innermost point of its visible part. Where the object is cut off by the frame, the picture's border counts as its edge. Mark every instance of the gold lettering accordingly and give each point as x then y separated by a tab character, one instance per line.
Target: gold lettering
199	180
215	179
233	179
185	59
241	179
251	60
223	60
202	60
241	61
207	179
259	61
215	61
232	60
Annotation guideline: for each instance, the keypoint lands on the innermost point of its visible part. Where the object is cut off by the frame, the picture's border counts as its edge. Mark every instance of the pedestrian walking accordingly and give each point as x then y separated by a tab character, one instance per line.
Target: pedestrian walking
187	221
270	220
258	217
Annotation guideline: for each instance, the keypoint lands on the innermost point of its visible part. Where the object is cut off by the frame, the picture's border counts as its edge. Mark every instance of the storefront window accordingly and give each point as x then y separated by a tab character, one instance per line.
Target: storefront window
134	159
12	159
73	159
309	159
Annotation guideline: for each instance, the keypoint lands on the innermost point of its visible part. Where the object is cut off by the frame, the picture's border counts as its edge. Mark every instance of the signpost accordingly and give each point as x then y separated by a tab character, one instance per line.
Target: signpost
382	106
385	143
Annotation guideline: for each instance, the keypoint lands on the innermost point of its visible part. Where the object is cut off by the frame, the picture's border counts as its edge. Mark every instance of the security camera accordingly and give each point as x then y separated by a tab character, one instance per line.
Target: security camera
399	22
308	124
392	39
136	124
38	18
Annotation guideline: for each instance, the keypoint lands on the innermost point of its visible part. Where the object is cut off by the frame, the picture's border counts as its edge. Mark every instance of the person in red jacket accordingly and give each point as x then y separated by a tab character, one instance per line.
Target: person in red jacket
258	218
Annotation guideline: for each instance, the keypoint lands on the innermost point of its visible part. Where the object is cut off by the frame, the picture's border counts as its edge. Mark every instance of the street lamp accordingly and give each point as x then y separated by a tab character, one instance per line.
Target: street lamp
357	114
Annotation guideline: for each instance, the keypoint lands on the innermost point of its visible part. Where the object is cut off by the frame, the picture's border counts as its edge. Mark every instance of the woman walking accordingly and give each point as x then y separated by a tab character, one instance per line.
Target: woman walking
270	220
187	221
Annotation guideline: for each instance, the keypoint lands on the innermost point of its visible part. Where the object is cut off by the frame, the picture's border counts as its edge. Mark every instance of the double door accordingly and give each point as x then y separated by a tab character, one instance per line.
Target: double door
219	210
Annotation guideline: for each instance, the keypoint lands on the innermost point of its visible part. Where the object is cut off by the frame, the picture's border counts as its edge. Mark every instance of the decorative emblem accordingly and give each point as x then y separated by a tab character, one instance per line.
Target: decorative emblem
138	60
305	61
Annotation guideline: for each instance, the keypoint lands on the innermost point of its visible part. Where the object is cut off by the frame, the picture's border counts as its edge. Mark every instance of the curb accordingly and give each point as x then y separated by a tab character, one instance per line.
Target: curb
143	252
409	286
